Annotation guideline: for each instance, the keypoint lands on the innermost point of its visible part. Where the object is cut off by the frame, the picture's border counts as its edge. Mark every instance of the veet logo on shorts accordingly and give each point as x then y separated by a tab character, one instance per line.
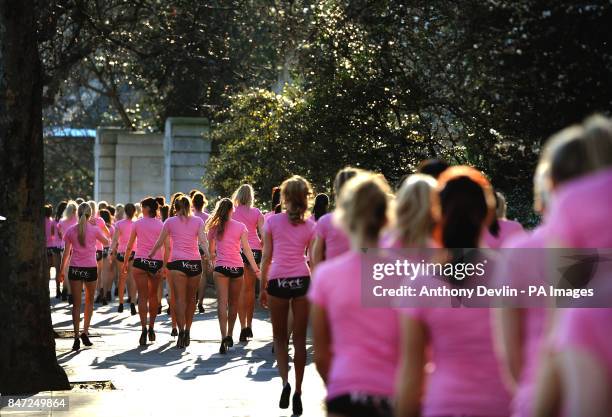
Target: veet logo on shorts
150	263
293	284
81	273
190	266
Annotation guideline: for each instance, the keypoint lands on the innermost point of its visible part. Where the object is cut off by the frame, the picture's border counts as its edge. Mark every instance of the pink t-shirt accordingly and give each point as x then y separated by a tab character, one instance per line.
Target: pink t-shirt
336	241
124	228
466	379
50	227
507	228
147	231
580	215
228	247
84	256
249	216
533	320
183	232
202	215
365	341
111	230
63	225
289	244
100	223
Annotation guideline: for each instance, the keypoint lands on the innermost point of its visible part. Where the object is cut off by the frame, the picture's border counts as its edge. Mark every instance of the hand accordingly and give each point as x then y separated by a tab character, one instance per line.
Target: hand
263	298
125	267
258	273
61	276
165	271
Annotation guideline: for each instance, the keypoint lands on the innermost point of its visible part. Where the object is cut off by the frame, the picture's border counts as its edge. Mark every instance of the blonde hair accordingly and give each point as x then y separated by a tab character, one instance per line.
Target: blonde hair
413	211
501	205
182	206
364	207
244	196
84	213
119	212
70	210
541	186
295	194
93	206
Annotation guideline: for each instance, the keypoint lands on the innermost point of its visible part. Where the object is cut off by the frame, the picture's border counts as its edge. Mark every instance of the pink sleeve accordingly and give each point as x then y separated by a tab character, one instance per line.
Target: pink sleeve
321	228
268	225
317	293
100	233
67	238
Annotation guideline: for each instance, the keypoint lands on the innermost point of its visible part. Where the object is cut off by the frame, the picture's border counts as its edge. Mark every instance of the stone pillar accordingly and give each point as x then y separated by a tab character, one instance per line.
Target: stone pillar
139	166
186	152
104	164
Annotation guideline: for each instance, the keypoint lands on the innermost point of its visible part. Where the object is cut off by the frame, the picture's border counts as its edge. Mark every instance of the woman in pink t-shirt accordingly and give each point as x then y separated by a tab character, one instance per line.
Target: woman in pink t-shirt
466	379
185	263
123	231
69	218
50	227
80	247
285	280
225	236
501	228
59	245
251	217
199	202
330	241
97	221
356	348
147	264
107	265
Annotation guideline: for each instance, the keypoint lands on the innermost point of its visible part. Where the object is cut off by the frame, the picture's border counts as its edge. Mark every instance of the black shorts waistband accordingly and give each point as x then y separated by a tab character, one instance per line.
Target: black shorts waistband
149	265
256	255
190	268
230	271
121	256
360	405
288	287
86	274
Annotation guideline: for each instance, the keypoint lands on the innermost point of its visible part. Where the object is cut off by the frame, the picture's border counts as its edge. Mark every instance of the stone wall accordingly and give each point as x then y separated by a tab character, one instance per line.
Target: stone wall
130	166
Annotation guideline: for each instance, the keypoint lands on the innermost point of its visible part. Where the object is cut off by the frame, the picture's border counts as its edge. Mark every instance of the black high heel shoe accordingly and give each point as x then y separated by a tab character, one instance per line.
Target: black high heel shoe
186	339
284	398
143	337
151	335
249	332
174	332
223	348
229	341
180	342
243	335
297	404
85	339
133	309
200	308
76	345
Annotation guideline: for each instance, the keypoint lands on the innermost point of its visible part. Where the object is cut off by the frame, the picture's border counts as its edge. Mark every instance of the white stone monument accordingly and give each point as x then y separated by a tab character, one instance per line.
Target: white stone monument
130	165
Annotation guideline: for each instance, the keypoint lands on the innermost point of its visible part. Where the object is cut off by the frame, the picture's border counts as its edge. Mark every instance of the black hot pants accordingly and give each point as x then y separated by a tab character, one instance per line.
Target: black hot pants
288	287
99	254
78	273
151	266
230	271
121	256
189	268
256	255
360	405
50	251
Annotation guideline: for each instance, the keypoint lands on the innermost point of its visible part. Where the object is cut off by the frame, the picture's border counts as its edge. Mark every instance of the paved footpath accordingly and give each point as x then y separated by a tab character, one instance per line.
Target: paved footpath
161	380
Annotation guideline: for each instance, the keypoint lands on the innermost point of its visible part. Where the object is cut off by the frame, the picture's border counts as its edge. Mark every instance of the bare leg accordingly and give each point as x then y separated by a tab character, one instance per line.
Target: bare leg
192	288
153	283
131	284
171	300
90	290
141	277
202	283
76	287
247	298
301	308
222	285
235	288
279	308
122	279
179	288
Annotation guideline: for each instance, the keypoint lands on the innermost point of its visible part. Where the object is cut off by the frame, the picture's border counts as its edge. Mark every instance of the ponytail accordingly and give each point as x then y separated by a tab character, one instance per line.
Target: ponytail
220	217
84	213
151	204
182	206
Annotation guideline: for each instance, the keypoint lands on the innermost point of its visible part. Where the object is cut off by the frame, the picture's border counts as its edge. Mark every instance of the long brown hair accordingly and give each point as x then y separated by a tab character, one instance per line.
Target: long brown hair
220	217
84	213
295	192
182	206
173	198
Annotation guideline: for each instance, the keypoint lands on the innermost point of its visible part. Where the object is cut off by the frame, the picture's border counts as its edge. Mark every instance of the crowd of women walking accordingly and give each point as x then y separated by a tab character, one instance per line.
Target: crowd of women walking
431	362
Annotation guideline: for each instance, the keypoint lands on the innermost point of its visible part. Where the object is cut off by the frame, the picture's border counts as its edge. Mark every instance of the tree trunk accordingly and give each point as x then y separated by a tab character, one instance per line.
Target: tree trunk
27	349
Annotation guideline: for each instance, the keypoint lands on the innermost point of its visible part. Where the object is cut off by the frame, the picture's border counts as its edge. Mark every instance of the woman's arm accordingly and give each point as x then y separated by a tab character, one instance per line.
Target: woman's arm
160	241
203	241
266	259
212	250
115	241
128	250
508	336
65	257
246	249
322	340
260	226
318	251
412	369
